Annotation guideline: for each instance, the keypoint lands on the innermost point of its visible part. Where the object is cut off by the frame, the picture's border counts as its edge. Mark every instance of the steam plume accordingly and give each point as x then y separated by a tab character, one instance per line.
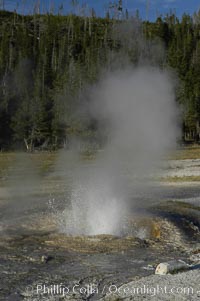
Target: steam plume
137	108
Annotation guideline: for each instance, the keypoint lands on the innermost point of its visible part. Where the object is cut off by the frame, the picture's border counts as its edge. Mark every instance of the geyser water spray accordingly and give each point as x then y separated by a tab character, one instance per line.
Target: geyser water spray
139	110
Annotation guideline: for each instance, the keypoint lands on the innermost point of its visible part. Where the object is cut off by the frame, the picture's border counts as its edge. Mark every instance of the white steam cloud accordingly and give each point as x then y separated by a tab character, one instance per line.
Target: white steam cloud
138	111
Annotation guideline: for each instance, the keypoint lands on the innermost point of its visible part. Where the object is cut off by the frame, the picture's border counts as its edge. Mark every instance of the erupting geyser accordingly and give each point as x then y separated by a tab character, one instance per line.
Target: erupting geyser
137	110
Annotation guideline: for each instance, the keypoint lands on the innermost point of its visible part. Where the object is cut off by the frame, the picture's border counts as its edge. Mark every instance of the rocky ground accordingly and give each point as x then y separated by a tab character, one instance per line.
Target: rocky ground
180	287
38	262
38	265
181	168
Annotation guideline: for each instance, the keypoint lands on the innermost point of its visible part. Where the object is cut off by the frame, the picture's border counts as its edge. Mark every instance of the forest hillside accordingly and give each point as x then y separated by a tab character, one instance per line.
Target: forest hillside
47	63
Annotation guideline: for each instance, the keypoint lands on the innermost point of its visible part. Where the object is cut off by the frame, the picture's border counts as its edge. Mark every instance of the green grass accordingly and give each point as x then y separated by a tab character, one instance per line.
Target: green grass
181	179
6	160
43	161
189	152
